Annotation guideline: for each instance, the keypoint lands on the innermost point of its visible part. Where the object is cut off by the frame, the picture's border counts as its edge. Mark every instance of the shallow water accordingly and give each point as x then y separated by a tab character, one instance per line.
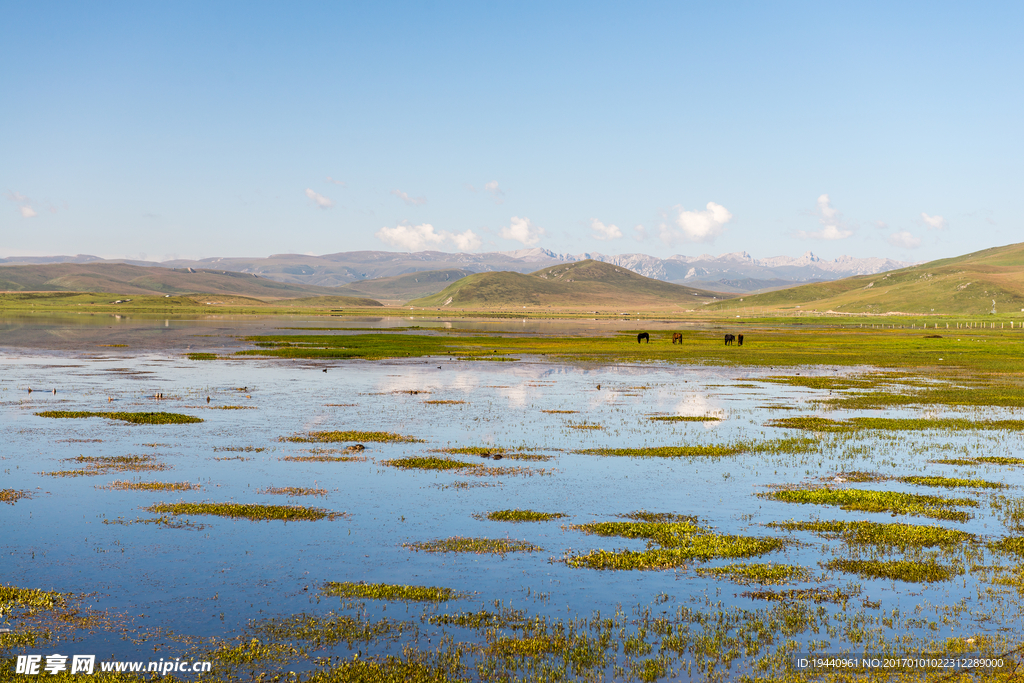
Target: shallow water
213	581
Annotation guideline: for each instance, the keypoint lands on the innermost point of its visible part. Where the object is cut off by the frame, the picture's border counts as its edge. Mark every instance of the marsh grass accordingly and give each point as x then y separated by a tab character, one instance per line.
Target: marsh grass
325	458
582	425
345	436
293	491
506	471
505	617
480	546
895	570
822	424
900	536
669	451
560	412
323	631
232	407
816	595
12	496
30	599
1000	460
240	458
444	403
658	517
1010	544
684	418
256	513
133	418
951	483
389	591
239	449
430	463
763	574
878	501
522	516
99	465
201	356
154	486
166	521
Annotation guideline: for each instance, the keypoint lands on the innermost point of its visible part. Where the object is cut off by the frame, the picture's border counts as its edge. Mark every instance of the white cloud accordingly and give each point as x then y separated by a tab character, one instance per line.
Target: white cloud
341	183
523	230
421	237
318	199
639	233
496	192
604	232
409	201
904	239
27	211
25	204
934	222
832	225
696	226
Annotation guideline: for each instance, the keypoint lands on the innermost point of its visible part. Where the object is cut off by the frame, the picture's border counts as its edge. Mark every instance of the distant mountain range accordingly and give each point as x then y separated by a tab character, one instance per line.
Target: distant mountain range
737	272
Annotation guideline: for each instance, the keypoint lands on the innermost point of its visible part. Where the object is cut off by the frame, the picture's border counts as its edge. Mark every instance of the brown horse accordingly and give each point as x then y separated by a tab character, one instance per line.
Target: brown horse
739	340
677	337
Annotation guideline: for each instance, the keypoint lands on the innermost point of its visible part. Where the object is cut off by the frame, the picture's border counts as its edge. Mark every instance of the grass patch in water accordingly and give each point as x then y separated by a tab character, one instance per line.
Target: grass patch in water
13	495
462	544
30	599
895	503
287	513
816	595
343	436
429	463
658	517
575	425
163	520
951	483
154	486
669	451
324	458
1000	460
505	617
133	418
444	403
822	424
900	536
97	465
895	570
763	574
240	449
1009	544
390	591
324	631
474	450
293	491
560	412
522	516
684	418
201	356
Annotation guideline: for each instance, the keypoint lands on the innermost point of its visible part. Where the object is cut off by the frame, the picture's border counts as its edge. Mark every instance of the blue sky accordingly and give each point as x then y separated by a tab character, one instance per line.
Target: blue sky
246	129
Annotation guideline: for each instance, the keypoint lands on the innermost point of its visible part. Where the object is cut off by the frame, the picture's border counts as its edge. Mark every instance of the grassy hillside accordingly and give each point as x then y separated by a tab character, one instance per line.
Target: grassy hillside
583	284
964	285
405	287
129	280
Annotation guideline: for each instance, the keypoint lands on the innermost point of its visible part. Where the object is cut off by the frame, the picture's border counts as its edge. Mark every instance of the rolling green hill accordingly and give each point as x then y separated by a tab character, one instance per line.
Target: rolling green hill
405	287
581	284
964	285
125	279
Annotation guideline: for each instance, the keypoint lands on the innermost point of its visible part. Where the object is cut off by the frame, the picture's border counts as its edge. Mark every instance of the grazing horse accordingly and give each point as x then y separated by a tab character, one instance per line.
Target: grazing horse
729	339
643	336
739	340
677	337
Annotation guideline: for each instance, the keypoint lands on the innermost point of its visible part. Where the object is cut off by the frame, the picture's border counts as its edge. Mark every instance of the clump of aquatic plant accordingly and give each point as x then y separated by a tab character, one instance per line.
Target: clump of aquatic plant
896	570
861	477
1000	460
817	595
658	517
664	533
134	418
201	356
13	495
900	536
669	451
293	491
522	516
323	631
154	486
233	407
166	521
700	548
462	544
475	450
956	461
896	503
764	574
30	599
1009	544
241	449
444	403
560	412
324	458
343	436
1010	511
482	471
97	465
389	591
951	482
821	424
505	617
429	463
287	513
584	425
684	418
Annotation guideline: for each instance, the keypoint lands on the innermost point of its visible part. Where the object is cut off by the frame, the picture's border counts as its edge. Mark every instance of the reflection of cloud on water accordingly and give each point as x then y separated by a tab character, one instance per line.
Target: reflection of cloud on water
698	405
440	380
311	424
516	395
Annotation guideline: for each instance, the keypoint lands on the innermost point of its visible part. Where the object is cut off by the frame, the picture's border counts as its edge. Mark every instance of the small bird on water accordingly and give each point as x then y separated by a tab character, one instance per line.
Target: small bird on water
207	399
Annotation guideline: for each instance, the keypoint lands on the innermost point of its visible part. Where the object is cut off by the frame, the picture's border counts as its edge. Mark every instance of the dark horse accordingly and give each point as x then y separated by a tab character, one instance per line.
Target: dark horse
642	336
739	340
729	339
677	337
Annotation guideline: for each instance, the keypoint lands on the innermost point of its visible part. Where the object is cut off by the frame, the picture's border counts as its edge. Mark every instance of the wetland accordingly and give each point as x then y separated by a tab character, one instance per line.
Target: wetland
329	503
